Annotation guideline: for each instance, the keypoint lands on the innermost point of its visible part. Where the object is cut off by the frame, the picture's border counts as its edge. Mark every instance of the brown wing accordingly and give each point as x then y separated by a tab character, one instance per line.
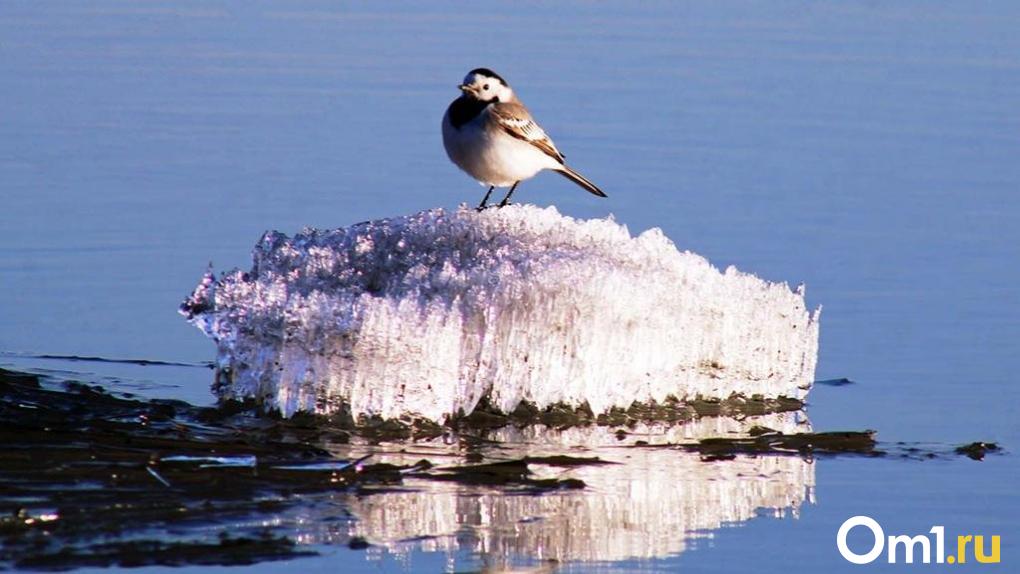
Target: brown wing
515	120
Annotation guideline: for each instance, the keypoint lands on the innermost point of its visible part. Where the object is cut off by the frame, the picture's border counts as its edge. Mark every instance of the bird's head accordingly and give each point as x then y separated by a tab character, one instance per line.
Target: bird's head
487	86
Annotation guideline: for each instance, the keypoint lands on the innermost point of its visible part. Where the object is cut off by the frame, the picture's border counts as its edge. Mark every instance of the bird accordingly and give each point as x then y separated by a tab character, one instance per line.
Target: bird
489	134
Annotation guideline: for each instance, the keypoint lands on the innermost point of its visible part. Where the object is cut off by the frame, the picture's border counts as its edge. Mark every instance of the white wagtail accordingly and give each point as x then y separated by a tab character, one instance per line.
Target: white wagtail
490	135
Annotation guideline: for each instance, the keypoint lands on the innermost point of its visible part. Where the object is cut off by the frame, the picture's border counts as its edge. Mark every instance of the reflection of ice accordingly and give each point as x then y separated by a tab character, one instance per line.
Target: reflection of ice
430	312
648	506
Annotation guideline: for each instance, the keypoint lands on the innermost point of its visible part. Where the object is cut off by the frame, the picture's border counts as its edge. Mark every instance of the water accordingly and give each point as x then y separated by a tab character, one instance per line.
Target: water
868	150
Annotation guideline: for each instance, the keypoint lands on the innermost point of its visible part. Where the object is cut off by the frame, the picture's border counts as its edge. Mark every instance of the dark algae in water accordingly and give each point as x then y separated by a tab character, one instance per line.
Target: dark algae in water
225	551
92	479
773	442
977	450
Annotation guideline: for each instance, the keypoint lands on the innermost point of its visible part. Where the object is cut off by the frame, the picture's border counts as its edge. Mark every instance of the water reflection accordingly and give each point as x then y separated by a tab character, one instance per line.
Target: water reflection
649	505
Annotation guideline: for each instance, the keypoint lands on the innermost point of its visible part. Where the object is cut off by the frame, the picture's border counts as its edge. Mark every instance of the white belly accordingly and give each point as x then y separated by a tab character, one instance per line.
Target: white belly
492	156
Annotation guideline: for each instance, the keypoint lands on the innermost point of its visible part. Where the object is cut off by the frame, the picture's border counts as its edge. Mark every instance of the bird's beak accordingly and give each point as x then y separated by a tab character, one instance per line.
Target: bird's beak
465	88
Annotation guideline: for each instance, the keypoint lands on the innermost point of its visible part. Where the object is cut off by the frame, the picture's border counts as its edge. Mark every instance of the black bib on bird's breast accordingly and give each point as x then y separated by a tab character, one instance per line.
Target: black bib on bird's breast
465	109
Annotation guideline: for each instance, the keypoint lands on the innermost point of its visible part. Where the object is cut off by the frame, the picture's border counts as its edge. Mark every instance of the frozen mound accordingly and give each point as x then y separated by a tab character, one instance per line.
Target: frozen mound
427	314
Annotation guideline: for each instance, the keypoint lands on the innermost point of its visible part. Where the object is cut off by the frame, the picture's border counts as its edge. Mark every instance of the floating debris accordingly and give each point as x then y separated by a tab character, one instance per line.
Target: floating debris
840	382
514	473
764	441
977	450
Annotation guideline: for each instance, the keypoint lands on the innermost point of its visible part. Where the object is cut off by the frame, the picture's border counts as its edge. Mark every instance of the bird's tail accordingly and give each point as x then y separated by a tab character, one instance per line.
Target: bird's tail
580	180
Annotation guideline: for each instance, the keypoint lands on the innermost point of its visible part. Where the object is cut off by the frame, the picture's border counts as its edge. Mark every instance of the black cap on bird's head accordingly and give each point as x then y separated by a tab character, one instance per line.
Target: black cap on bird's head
485	85
486	73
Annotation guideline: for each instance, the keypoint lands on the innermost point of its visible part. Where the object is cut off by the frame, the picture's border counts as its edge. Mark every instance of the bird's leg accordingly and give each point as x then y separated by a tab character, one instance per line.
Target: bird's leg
486	198
506	200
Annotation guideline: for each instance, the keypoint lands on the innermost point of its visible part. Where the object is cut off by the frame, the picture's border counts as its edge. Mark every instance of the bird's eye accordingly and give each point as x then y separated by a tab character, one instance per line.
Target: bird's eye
485	87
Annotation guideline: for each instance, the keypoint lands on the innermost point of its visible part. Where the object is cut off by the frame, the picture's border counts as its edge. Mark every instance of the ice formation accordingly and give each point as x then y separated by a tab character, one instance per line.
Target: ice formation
427	314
